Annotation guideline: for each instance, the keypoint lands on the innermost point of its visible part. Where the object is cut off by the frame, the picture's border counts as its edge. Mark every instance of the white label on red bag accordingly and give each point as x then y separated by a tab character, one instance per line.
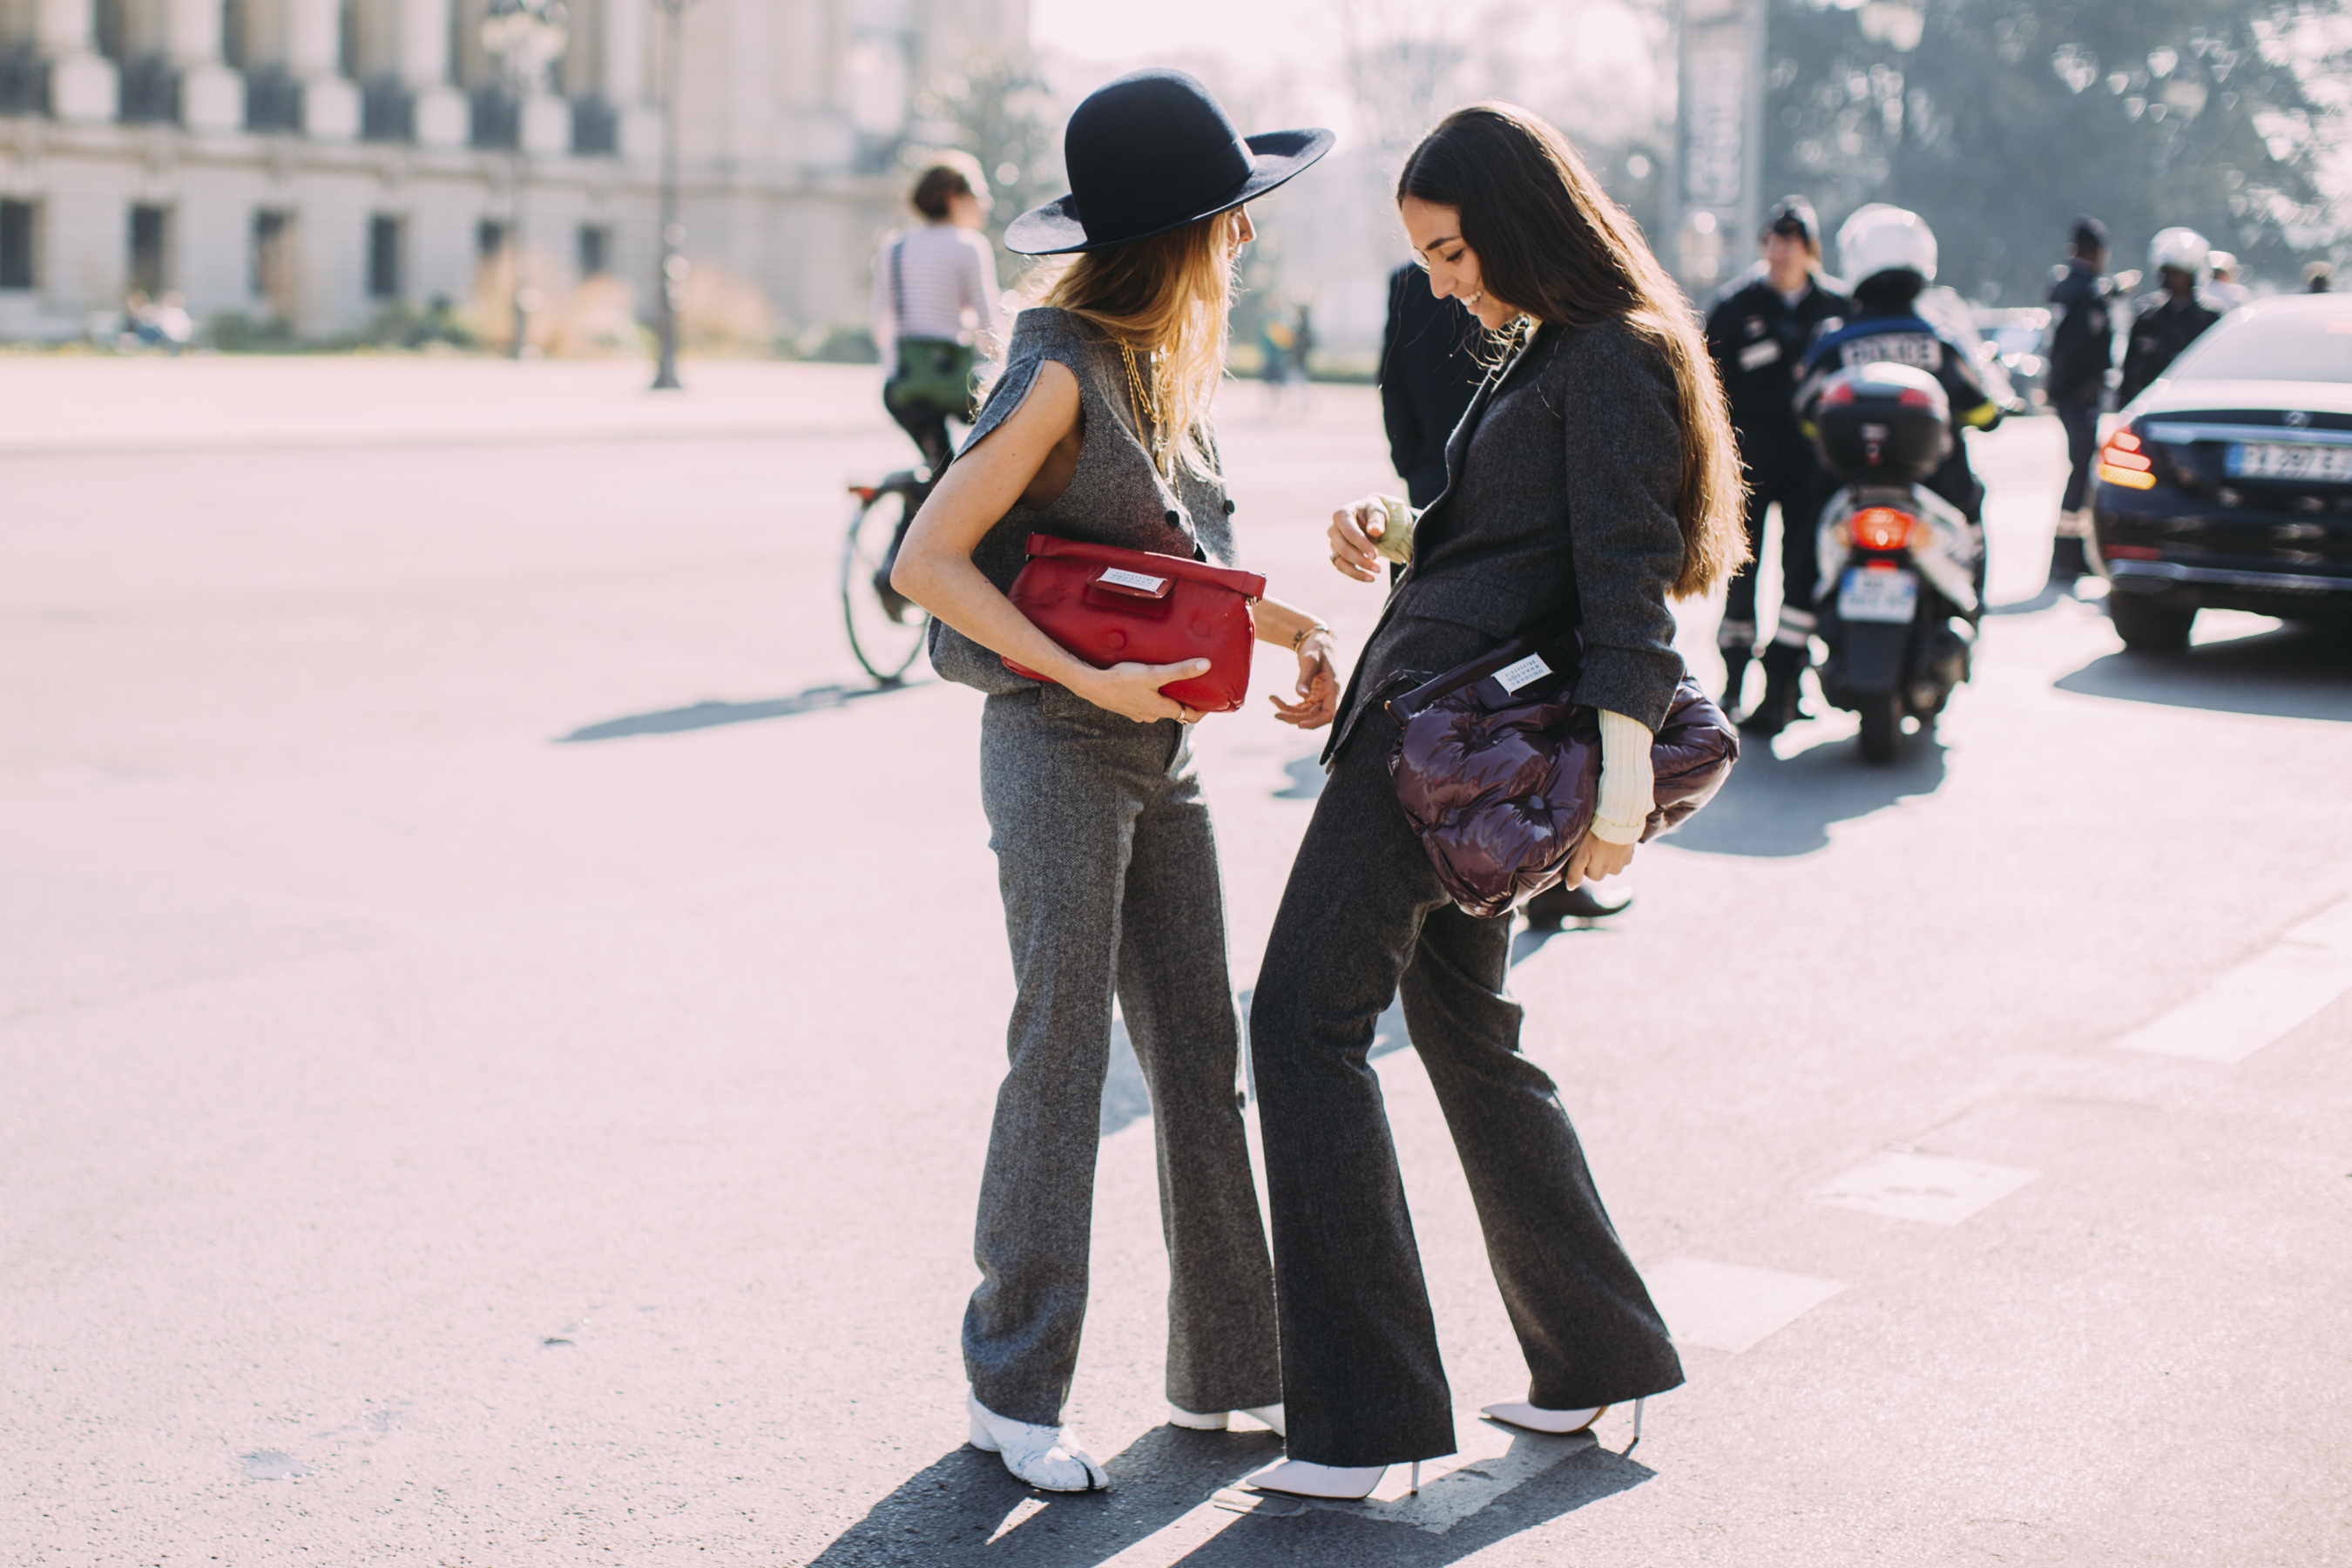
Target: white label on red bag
1511	677
1124	578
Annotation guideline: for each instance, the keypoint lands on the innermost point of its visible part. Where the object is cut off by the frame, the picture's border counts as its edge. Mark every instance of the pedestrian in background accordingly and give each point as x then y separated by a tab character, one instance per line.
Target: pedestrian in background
2318	277
2225	292
1595	469
935	304
1098	431
1759	330
2172	318
2082	351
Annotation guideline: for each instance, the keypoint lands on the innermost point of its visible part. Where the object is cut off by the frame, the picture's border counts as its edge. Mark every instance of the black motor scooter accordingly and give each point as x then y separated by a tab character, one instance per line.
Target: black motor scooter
1898	603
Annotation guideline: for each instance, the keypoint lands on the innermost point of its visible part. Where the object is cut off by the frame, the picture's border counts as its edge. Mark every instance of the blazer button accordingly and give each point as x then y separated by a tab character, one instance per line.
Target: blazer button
1229	508
1175	521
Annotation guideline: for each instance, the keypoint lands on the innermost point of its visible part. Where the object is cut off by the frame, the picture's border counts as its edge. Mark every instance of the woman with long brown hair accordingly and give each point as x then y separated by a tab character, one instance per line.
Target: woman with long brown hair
1595	470
1098	430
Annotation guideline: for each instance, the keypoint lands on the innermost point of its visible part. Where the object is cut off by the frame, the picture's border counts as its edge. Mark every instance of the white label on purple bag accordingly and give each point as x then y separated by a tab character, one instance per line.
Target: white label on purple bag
1124	578
1511	677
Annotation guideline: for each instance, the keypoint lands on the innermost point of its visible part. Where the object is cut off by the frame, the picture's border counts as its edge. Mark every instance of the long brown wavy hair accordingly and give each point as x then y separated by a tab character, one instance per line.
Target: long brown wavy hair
1550	243
1170	297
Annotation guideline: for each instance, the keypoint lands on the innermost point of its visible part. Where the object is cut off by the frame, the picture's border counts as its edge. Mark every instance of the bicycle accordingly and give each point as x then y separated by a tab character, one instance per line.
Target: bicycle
886	632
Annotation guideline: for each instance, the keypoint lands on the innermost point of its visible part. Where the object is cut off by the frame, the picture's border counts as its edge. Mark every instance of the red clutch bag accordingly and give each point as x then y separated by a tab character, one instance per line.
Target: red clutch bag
1108	606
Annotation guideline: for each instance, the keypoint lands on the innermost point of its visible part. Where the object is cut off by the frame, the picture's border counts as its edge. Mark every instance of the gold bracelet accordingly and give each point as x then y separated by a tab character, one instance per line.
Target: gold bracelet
1300	640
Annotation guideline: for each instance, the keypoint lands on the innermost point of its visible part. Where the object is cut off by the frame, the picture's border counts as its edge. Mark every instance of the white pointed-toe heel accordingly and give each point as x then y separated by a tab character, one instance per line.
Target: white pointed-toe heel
1299	1478
1536	1419
1219	1420
1051	1458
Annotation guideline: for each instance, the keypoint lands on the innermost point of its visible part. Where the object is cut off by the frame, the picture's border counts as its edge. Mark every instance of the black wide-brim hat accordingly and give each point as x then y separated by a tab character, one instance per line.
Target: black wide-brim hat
1150	153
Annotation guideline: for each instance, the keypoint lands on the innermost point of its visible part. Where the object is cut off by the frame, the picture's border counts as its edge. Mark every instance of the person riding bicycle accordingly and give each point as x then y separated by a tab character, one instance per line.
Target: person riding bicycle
934	306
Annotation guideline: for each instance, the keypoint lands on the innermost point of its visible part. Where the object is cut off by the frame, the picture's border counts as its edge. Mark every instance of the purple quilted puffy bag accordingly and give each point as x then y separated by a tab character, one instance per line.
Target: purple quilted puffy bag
1499	770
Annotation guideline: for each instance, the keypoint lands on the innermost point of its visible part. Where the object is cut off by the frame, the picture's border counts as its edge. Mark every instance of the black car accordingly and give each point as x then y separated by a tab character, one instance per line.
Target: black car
2227	483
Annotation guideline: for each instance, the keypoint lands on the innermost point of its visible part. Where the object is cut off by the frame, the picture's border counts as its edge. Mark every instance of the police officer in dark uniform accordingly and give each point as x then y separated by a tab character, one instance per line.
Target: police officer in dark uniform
2172	318
2082	351
1758	330
1891	256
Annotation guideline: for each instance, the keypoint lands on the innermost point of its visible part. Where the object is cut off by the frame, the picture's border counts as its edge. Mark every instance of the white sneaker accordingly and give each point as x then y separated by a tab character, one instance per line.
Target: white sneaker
1051	1458
1218	1420
1298	1477
1536	1419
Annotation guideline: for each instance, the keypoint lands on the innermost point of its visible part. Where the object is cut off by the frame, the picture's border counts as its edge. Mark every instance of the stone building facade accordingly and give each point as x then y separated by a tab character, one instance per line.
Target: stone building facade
319	160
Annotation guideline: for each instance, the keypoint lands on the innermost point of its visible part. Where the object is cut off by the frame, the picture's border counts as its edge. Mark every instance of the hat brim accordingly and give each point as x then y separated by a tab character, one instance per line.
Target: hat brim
1054	229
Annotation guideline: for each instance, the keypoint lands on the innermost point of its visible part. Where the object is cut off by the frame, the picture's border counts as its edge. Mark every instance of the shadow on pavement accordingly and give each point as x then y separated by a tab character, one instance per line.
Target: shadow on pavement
711	715
966	1509
2294	672
963	1511
1775	807
1345	1538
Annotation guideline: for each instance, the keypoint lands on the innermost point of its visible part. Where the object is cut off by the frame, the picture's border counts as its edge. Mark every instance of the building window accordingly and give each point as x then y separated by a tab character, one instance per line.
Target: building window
15	245
384	258
150	249
595	250
273	260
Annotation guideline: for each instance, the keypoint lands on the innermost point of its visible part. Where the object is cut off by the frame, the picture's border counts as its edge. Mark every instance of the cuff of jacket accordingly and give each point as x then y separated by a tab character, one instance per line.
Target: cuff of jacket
1640	684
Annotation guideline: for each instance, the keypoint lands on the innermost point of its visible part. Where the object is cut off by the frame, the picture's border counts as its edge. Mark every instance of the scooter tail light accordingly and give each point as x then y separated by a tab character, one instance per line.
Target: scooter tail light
1882	528
2121	462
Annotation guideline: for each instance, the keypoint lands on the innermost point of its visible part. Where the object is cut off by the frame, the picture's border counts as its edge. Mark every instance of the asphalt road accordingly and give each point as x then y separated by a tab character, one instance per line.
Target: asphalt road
497	1023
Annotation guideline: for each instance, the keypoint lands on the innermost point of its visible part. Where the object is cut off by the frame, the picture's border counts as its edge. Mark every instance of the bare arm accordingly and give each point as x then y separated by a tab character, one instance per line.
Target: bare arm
935	567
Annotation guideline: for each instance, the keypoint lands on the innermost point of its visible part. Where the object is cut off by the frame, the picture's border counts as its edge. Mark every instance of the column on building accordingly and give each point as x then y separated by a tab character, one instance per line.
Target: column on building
440	108
212	97
83	84
314	54
623	82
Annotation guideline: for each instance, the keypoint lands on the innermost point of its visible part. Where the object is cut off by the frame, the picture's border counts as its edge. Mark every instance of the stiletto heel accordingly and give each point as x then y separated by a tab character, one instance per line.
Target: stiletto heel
1416	1476
1637	1424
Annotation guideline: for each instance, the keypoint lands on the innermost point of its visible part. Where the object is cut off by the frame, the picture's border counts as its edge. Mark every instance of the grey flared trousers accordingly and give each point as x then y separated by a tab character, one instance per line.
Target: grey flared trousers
1109	869
1363	917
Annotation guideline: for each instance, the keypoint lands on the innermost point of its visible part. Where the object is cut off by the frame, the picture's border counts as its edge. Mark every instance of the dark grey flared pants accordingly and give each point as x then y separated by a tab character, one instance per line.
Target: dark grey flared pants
1364	916
1109	869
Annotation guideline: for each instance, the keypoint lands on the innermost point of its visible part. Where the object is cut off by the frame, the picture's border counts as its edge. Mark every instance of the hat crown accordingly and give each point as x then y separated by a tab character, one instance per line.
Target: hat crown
1147	138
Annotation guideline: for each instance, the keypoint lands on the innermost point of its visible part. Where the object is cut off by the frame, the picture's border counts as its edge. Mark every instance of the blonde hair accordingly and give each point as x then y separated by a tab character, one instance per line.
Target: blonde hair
1170	297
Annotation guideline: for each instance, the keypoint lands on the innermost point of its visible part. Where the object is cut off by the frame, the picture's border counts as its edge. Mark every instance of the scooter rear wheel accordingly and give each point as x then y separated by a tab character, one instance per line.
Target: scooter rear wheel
1881	727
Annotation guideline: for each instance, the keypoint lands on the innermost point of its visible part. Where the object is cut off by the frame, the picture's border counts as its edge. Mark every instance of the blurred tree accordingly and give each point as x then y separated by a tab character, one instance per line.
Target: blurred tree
2000	121
998	109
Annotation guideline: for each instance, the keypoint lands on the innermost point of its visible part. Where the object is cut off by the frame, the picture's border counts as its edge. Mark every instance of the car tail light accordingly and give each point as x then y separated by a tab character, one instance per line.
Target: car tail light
1881	528
865	493
1836	394
2129	553
2123	463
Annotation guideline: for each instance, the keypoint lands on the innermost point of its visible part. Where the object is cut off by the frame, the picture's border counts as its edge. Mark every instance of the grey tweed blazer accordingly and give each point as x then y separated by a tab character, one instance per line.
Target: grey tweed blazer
1561	483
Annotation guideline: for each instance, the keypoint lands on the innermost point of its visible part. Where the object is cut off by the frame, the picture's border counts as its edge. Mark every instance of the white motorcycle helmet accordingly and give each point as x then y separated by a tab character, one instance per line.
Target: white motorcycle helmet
1882	239
2182	248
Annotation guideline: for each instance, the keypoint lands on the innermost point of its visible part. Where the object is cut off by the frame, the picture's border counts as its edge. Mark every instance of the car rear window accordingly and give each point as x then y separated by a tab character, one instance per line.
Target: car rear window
2277	348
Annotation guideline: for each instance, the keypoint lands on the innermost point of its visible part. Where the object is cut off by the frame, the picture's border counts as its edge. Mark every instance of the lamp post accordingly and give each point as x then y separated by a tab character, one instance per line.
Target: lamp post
671	284
525	36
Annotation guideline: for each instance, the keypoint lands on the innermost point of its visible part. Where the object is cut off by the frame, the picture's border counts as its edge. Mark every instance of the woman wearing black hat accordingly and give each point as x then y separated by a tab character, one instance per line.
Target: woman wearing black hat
1594	469
1098	430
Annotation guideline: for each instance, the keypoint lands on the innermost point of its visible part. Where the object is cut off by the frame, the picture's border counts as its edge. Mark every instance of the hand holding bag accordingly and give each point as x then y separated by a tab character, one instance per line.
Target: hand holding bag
1108	606
1498	770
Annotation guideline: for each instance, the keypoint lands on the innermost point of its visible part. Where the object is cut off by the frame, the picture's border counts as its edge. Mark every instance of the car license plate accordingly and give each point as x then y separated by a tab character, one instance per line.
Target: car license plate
1867	594
2289	460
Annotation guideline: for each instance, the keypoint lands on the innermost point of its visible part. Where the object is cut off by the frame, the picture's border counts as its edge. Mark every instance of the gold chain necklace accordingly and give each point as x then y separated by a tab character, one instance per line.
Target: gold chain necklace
1147	408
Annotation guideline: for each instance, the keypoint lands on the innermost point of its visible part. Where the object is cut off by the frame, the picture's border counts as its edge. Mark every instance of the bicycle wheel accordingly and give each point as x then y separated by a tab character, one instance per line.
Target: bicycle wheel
887	645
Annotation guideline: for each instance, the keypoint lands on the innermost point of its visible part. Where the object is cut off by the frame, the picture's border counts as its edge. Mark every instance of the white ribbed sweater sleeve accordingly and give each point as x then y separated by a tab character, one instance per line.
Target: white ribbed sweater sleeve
1628	791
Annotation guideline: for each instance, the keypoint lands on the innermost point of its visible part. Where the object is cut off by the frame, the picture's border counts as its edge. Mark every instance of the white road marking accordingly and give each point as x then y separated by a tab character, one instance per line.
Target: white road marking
1901	1184
2261	1000
1728	1306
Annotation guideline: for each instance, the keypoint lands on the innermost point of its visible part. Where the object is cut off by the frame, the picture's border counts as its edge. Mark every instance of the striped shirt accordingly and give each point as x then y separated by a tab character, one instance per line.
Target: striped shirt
946	276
